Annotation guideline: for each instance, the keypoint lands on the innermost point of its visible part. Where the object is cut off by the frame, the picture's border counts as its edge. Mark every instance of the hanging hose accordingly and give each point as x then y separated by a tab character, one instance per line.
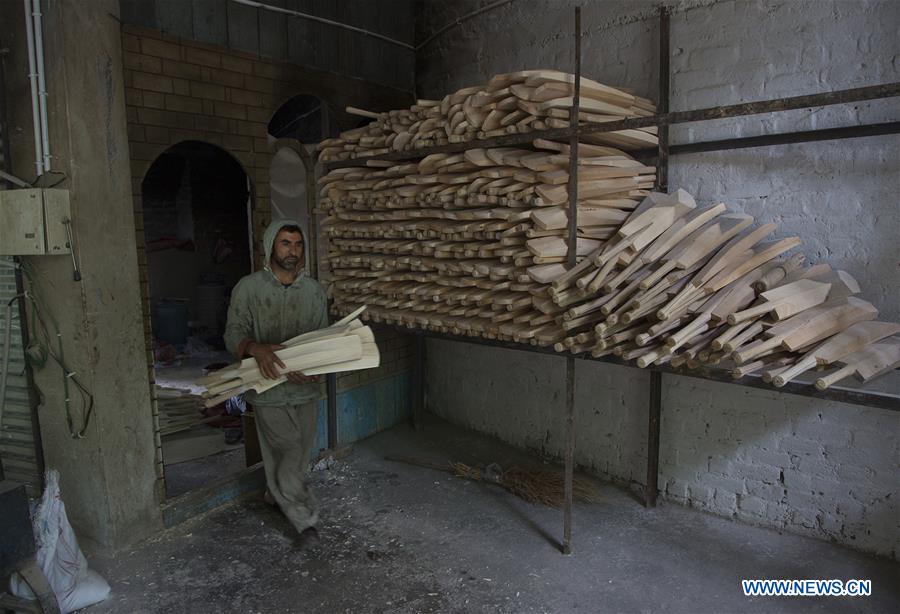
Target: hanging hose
38	351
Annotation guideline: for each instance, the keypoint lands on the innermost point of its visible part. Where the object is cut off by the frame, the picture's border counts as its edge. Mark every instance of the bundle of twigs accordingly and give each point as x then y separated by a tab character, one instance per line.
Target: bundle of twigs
179	409
540	487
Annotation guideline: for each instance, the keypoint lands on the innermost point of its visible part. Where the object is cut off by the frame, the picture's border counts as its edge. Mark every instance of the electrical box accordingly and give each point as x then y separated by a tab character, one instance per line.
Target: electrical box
56	211
33	222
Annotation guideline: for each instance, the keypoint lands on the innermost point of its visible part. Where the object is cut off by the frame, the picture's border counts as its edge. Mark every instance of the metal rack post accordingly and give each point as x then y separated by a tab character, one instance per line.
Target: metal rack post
662	185
571	253
331	389
418	383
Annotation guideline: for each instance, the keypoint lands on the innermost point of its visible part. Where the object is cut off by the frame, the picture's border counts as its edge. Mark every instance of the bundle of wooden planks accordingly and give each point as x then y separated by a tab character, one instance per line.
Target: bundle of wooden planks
186	433
510	103
475	243
347	345
179	409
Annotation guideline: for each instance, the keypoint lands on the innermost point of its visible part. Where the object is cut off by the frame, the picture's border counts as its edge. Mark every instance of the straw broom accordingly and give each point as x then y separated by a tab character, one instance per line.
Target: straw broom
540	487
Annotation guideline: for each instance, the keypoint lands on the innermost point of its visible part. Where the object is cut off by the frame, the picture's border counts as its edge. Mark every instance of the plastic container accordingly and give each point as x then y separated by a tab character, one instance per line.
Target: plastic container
172	321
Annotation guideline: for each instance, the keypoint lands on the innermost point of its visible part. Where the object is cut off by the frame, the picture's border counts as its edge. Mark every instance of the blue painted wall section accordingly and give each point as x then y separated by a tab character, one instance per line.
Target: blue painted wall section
366	410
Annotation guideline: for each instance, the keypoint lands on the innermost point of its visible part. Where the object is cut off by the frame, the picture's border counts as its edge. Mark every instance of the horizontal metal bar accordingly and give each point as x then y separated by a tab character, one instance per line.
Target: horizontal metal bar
858	94
786	138
854	396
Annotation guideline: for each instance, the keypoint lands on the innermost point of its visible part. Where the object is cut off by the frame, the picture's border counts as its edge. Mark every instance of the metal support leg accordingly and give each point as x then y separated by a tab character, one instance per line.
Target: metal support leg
331	386
662	185
662	165
569	454
653	439
571	257
417	395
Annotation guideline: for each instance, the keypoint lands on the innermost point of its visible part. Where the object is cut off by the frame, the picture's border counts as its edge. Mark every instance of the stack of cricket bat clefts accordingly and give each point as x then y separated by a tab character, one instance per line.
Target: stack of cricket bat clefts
511	103
347	345
467	242
475	243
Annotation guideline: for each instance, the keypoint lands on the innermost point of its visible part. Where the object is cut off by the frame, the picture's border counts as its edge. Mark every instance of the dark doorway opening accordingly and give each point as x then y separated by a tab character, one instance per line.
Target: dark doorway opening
198	245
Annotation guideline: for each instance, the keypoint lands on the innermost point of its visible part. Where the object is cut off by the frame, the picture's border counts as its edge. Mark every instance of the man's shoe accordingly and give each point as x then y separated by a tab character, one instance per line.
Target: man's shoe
268	498
308	538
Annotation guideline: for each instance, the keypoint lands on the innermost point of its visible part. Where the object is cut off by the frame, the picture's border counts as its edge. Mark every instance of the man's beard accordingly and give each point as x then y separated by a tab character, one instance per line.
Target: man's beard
287	264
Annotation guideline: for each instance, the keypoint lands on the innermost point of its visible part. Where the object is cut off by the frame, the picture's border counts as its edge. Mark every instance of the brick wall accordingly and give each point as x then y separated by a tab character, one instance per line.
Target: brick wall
824	469
397	353
179	91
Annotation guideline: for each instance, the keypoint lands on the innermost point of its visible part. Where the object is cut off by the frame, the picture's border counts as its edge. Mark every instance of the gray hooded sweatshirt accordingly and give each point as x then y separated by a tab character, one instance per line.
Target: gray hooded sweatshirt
267	311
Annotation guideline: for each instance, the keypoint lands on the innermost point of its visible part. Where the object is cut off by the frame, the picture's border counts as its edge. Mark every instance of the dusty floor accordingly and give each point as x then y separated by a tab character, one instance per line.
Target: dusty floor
397	538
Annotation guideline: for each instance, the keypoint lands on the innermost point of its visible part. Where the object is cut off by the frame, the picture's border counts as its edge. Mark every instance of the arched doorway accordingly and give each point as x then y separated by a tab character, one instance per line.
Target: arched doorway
196	231
195	199
295	129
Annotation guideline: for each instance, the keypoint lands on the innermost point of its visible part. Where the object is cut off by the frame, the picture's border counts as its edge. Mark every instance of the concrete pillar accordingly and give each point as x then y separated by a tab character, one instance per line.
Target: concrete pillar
108	476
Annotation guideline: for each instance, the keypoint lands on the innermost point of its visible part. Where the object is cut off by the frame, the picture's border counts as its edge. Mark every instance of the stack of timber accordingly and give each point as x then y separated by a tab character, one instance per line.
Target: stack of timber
179	409
186	433
466	243
510	103
347	345
475	243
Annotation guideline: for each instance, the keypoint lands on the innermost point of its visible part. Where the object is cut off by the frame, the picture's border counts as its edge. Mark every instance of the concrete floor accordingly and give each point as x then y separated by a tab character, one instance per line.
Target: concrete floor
397	538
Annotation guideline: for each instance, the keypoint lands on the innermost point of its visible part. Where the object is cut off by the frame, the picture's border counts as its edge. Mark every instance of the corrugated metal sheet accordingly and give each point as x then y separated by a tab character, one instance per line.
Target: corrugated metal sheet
19	442
18	447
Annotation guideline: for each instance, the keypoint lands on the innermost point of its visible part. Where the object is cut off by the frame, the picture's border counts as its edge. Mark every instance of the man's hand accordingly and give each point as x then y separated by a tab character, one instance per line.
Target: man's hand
298	378
265	356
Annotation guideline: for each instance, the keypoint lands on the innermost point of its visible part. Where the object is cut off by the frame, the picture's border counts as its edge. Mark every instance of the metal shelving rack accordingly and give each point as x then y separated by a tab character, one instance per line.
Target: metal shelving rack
663	119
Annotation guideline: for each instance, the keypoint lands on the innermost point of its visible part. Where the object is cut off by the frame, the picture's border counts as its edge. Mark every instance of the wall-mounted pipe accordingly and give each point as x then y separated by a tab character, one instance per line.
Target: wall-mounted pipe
336	24
456	22
35	105
42	87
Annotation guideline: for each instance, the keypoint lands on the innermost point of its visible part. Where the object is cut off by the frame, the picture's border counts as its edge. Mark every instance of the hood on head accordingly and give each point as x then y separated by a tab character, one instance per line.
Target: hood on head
272	232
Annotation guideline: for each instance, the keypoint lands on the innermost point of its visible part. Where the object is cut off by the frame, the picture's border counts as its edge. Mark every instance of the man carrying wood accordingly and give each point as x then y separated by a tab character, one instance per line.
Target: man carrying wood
268	307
